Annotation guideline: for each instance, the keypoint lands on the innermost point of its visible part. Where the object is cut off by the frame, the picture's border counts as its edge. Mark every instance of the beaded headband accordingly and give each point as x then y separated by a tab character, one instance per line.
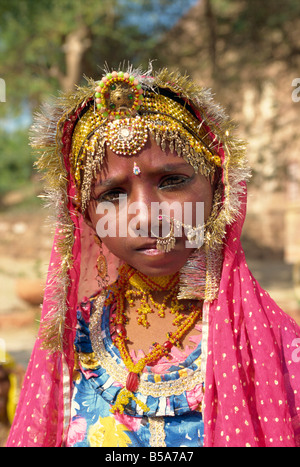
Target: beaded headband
121	116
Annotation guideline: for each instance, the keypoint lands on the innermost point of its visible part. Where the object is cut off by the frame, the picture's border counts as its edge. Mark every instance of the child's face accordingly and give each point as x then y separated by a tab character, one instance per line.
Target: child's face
163	177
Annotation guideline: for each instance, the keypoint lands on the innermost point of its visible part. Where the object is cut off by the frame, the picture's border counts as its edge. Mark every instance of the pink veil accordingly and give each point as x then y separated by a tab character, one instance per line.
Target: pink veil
43	411
252	372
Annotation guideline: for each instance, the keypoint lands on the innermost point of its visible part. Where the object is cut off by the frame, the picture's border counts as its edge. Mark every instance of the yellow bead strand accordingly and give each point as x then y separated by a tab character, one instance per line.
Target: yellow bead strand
119	292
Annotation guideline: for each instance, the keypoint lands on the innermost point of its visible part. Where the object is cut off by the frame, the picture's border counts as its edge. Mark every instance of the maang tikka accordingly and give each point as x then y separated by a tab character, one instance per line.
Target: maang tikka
124	115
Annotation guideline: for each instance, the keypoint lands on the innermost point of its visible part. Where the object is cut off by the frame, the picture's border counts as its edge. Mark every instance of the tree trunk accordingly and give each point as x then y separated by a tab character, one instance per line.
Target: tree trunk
212	34
76	44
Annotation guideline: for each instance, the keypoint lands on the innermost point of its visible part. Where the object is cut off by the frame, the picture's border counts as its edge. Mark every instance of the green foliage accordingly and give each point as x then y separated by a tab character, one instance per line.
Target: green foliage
36	37
257	29
47	45
16	161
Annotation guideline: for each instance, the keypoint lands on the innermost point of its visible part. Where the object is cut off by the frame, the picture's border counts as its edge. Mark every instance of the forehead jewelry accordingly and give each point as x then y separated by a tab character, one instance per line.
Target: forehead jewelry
118	95
136	170
125	114
166	243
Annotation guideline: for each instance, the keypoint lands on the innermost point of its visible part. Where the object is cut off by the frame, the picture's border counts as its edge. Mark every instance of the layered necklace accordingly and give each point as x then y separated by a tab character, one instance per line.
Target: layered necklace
132	285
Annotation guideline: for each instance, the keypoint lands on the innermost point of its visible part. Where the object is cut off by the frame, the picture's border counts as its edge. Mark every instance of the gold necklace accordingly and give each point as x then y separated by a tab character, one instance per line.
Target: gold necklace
142	287
119	335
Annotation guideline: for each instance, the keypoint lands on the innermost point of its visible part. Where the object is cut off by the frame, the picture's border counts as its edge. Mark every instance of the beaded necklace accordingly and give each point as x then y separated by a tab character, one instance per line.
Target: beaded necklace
129	276
142	288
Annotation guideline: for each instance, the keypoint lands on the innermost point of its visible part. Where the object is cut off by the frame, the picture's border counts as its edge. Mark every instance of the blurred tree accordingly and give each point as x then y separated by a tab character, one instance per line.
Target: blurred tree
249	52
220	37
49	44
15	162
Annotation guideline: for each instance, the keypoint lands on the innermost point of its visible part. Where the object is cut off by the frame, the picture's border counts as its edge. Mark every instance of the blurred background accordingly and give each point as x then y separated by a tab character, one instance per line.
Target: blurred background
247	51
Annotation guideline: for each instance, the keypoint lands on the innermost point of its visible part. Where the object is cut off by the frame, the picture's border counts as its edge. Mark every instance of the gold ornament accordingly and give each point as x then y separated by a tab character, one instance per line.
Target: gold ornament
101	265
127	136
119	335
167	243
118	95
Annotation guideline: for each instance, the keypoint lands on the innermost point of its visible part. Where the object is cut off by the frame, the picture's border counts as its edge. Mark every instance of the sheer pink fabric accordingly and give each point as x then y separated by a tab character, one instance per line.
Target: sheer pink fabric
43	411
252	395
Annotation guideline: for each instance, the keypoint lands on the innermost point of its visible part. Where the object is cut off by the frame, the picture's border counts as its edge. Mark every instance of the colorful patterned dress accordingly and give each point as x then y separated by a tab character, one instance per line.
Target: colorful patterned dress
172	389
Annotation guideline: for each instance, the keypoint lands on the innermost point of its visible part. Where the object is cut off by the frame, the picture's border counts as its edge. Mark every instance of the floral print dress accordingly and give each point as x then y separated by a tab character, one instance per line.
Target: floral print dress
172	389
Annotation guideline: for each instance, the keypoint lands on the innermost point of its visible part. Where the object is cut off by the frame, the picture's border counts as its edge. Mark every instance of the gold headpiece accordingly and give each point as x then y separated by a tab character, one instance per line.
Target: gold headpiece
122	116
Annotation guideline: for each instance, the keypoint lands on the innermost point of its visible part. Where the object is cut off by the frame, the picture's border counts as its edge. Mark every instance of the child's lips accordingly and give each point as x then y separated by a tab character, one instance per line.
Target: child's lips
149	248
150	251
147	245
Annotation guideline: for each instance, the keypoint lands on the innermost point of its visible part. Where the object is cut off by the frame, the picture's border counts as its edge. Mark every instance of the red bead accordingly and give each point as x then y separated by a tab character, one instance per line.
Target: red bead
132	382
120	329
167	345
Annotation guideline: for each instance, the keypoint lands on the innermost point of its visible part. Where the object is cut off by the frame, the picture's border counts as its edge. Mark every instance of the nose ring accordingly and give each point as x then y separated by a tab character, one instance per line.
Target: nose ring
166	243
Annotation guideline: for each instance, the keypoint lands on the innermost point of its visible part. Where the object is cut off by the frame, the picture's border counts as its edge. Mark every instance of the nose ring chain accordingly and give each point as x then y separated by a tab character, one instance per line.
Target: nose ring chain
195	235
166	243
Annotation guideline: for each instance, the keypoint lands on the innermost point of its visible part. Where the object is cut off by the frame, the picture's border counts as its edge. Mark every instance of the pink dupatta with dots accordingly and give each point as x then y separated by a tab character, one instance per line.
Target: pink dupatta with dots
252	395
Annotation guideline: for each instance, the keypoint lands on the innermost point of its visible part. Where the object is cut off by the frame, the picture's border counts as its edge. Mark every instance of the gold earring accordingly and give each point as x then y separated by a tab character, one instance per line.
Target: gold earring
101	264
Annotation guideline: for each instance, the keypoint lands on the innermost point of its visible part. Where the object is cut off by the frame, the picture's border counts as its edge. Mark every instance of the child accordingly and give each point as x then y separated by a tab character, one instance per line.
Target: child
174	343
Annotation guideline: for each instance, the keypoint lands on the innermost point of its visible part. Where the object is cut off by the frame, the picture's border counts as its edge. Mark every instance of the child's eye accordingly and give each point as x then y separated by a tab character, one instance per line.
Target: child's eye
174	181
112	196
